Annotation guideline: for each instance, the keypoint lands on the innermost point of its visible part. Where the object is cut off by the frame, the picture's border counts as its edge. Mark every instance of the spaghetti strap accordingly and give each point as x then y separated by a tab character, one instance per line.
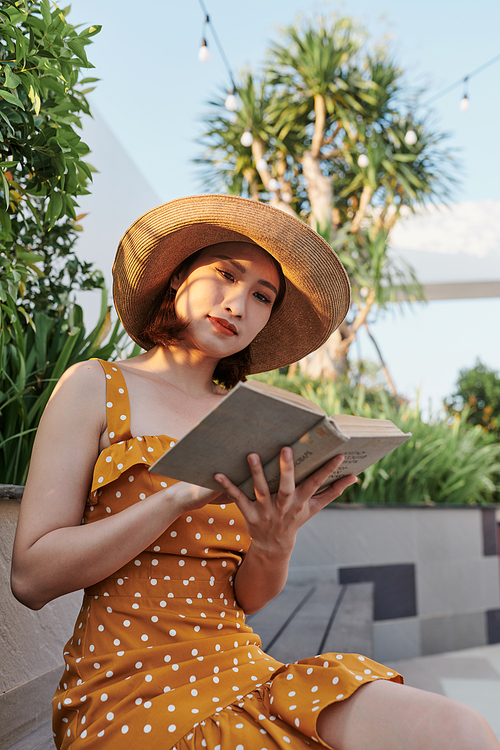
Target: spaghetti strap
117	403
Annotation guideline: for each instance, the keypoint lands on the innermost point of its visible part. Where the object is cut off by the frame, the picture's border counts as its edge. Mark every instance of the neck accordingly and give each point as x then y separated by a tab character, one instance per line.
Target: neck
188	369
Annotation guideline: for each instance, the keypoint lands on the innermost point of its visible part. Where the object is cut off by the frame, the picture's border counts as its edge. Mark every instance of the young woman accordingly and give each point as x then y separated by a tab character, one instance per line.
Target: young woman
213	288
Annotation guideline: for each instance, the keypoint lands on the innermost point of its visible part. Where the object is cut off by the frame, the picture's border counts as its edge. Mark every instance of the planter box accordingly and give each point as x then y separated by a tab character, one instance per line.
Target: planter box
435	568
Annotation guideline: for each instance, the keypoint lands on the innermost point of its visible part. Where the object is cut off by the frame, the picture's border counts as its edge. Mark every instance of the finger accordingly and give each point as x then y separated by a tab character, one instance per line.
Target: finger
333	491
312	484
230	489
260	484
287	473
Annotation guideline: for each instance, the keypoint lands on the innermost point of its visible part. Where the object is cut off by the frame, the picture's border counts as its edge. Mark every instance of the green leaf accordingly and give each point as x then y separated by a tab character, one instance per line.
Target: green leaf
11	98
11	80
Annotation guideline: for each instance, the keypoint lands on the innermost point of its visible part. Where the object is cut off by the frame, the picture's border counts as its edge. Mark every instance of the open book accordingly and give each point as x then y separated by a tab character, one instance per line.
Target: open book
258	418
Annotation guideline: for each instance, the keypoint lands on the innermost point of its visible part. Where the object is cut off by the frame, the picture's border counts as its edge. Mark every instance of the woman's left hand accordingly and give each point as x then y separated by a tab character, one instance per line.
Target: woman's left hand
273	519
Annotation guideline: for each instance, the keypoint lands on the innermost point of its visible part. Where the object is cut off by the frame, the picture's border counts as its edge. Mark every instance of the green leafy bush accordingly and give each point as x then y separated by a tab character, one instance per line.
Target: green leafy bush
32	359
478	391
457	464
42	169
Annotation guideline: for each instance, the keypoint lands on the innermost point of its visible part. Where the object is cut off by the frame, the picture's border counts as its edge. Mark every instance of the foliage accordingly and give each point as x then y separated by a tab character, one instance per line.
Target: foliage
31	364
457	464
42	98
478	392
329	116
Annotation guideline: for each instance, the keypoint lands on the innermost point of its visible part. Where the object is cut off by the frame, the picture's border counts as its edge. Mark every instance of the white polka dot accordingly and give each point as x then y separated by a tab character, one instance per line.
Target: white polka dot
110	716
390	674
126	623
118	494
335	680
148	704
340	696
104	697
172	632
108	459
314	689
109	404
173	533
123	417
119	467
142	496
172	728
156	549
148	728
101	479
111	435
148	677
339	656
124	729
144	637
131	478
289	677
109	674
138	664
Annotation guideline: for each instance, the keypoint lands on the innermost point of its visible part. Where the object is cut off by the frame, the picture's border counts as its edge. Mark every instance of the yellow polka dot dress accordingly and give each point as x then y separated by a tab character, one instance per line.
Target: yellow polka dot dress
161	656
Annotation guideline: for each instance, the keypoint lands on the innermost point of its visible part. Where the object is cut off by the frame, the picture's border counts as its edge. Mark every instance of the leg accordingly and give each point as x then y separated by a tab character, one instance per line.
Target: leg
387	716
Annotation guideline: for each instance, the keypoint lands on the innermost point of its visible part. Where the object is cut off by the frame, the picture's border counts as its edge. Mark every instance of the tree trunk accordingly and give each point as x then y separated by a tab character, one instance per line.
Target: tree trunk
319	187
330	359
363	205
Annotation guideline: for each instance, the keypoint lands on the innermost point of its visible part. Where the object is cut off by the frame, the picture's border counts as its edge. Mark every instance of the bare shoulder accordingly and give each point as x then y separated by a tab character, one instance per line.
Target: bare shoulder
85	378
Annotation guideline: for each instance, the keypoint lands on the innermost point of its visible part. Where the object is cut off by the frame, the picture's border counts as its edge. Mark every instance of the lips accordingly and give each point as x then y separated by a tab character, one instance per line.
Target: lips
224	326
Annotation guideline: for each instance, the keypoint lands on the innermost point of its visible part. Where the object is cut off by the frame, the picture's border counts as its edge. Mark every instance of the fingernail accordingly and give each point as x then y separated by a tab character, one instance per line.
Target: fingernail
253	459
287	453
218	478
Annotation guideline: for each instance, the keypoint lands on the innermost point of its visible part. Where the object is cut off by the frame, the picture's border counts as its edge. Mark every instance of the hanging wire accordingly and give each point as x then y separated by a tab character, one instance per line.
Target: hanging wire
208	22
462	79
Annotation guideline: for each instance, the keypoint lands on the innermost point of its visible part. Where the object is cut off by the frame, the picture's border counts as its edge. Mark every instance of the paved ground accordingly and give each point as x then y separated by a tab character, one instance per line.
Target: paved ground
471	676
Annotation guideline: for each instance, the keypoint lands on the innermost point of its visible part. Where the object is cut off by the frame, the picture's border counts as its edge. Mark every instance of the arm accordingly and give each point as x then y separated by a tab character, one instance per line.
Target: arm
53	553
273	522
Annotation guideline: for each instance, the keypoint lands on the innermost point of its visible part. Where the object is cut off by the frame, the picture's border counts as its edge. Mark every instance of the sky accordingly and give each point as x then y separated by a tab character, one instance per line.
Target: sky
153	90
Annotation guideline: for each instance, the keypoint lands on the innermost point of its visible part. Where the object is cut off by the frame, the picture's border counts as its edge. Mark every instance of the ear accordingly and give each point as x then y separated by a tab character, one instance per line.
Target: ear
175	281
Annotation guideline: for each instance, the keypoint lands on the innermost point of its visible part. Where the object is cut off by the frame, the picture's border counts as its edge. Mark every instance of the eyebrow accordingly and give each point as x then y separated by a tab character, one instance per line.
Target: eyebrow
242	269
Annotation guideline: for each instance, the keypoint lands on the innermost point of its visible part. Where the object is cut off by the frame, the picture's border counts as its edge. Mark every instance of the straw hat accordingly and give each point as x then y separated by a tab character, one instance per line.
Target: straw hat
317	295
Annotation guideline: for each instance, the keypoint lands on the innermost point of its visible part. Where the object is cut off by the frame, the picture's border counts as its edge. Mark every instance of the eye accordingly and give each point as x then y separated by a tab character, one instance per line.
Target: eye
263	298
225	274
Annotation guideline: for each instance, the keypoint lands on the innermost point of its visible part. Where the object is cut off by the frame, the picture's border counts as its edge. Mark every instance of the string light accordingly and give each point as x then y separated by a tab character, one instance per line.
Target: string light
247	138
231	102
464	105
203	52
411	136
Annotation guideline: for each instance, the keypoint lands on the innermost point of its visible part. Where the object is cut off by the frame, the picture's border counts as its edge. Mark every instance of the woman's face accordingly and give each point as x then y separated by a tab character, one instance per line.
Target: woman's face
227	296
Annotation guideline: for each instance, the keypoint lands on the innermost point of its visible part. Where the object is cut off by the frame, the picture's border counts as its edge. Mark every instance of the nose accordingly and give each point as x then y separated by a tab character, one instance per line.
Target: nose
235	303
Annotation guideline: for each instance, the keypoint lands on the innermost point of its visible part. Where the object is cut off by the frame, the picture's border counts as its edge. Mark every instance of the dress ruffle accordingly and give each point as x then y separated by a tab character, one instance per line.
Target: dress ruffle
120	457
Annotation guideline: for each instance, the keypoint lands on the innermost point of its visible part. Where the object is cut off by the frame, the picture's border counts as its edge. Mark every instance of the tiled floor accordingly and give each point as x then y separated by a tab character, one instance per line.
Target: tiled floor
471	676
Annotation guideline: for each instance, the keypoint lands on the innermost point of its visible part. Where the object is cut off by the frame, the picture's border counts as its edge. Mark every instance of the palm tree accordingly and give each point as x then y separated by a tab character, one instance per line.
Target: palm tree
327	128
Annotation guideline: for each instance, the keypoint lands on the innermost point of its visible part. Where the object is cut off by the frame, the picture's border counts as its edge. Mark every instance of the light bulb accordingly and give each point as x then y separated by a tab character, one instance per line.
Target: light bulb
464	103
410	137
261	165
231	102
246	139
273	185
203	52
363	160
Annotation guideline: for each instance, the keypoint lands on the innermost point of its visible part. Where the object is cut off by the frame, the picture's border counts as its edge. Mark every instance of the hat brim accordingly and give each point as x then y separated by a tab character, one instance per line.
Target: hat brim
317	295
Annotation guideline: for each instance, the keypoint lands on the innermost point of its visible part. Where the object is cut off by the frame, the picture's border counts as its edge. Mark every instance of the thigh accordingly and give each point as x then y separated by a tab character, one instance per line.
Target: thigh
389	716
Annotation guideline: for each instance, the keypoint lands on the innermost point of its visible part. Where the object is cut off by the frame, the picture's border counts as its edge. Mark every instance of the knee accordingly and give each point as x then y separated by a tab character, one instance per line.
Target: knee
464	728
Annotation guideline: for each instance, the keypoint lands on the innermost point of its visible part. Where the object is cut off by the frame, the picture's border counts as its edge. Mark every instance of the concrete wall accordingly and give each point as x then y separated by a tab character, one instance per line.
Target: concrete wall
31	645
436	572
